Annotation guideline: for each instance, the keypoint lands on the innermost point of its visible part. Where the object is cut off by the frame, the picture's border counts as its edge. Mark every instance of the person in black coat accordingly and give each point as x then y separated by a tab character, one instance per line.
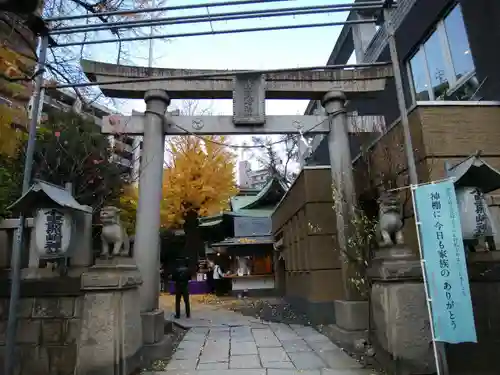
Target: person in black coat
181	277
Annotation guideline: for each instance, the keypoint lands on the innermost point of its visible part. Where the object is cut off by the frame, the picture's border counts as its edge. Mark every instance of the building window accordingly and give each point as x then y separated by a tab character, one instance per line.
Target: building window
458	43
421	86
436	65
442	68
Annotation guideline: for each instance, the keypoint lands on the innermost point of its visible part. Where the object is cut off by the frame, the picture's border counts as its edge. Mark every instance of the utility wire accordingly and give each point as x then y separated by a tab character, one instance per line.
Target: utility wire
226	16
129	12
217	32
219	74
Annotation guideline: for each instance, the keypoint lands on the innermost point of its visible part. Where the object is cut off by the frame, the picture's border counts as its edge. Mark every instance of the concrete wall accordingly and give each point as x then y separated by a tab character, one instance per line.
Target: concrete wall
481	20
306	219
48	330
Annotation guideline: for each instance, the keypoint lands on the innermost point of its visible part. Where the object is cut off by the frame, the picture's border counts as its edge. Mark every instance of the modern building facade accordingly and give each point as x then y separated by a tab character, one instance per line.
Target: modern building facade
445	53
251	179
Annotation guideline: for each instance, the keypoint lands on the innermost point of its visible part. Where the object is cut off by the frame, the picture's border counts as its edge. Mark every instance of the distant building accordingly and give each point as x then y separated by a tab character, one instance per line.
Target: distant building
251	179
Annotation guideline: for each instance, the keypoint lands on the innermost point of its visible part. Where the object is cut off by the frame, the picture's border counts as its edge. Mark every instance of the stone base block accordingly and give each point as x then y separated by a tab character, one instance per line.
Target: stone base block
344	338
110	338
401	325
153	326
115	262
351	315
396	270
316	312
169	327
158	350
396	252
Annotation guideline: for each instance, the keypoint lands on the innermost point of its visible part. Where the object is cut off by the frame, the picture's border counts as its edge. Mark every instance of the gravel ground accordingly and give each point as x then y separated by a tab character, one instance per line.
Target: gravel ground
272	310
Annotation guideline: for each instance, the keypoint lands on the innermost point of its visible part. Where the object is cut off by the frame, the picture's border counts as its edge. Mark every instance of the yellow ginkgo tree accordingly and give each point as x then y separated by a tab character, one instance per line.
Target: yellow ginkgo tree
10	136
199	179
13	87
128	207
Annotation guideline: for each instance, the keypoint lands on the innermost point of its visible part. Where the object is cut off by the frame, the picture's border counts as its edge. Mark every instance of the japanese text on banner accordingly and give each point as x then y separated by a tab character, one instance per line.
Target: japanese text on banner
445	264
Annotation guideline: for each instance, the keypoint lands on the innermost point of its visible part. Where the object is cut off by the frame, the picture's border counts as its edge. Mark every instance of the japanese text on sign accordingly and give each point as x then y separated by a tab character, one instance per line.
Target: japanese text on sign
53	234
481	218
444	262
444	259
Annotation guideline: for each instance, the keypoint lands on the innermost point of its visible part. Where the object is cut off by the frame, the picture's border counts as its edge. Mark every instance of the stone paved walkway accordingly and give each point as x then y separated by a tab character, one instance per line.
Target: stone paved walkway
222	342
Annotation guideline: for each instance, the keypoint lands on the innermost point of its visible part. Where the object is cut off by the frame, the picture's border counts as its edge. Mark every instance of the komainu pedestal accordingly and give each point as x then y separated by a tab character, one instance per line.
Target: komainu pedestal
401	335
401	328
110	340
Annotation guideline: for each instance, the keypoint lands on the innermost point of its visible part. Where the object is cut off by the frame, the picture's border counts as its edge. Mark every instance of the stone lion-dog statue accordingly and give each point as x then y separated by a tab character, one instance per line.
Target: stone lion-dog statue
113	233
390	220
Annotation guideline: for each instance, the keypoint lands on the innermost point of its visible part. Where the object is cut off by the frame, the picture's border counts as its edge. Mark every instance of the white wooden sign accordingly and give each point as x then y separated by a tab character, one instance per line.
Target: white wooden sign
52	232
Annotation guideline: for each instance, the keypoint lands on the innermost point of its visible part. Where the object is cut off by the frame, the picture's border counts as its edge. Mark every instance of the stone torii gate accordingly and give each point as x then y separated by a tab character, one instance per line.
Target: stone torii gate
248	91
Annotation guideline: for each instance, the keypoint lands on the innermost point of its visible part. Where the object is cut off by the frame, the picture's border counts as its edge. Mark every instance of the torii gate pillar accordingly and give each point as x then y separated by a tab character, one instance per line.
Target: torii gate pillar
342	180
147	238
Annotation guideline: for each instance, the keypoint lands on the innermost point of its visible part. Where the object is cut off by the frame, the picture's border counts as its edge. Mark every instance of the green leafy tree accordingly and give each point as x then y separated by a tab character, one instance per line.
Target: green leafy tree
10	181
70	148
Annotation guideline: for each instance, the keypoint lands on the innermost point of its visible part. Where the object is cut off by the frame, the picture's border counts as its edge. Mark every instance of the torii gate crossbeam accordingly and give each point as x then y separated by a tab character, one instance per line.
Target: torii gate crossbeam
355	83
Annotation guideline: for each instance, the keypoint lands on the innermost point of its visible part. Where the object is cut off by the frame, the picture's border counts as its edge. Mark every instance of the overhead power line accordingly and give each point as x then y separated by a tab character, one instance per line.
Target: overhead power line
213	17
160	9
228	73
216	32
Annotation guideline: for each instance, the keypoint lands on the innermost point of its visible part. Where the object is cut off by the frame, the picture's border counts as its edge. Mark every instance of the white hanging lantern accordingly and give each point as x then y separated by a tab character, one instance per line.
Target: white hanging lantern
475	216
52	232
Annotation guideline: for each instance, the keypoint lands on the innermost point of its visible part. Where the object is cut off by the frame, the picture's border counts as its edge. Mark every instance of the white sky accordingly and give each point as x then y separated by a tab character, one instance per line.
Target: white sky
256	50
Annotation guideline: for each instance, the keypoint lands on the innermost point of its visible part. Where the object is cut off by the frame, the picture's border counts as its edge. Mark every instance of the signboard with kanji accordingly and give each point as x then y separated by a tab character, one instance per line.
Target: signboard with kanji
445	264
52	232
